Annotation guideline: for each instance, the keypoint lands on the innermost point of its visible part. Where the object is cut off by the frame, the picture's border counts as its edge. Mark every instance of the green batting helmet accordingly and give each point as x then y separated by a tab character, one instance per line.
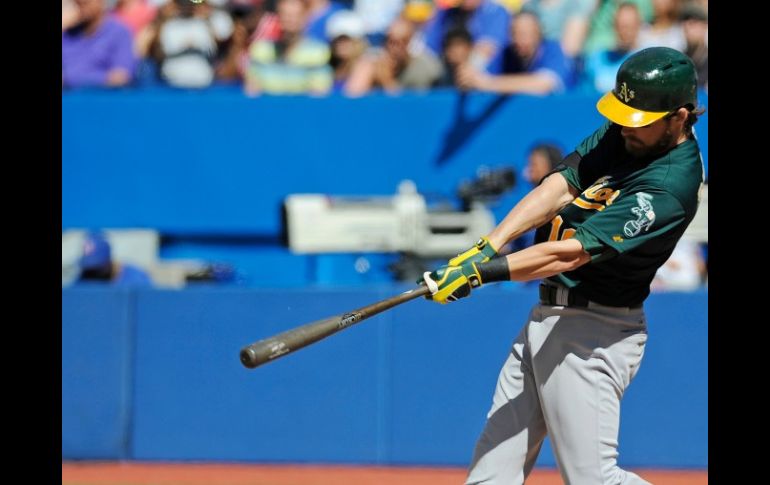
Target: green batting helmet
650	84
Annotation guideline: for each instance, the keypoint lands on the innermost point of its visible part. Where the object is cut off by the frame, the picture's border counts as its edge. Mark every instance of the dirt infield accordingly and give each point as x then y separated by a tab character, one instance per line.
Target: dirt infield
132	473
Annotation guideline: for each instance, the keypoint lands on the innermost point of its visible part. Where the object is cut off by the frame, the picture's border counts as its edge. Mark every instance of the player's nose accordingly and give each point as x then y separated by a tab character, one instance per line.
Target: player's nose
627	131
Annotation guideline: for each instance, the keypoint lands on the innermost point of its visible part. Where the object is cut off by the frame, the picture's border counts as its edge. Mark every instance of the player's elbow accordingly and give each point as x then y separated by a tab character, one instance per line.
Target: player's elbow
572	255
576	261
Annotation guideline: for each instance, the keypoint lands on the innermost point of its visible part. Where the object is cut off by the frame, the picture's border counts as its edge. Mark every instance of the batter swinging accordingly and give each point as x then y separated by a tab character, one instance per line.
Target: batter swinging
608	217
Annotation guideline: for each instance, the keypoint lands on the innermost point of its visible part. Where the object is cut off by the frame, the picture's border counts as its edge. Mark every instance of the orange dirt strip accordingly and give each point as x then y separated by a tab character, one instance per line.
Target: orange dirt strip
132	473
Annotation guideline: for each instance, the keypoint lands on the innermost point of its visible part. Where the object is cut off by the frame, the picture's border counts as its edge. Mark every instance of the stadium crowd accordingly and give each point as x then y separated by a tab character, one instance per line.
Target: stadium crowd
354	47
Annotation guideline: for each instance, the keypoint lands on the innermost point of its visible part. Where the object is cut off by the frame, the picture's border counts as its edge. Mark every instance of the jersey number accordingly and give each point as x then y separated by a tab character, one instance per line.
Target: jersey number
556	224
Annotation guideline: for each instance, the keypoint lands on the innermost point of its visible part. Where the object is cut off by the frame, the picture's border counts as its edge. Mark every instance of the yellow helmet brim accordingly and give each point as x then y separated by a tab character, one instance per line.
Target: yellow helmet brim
617	112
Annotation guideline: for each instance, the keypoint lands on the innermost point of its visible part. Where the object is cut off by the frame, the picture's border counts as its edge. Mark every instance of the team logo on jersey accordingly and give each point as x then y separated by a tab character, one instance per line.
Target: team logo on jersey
625	93
645	216
598	196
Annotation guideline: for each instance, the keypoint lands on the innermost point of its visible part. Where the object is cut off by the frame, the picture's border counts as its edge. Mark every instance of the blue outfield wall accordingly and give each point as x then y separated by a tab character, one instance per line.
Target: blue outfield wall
188	162
155	375
97	361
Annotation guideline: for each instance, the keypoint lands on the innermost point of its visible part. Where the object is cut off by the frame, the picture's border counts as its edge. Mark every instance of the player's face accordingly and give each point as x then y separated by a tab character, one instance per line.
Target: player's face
648	140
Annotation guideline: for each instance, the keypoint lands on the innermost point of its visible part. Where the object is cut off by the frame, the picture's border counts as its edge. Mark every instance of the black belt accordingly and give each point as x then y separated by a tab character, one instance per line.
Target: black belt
560	296
563	296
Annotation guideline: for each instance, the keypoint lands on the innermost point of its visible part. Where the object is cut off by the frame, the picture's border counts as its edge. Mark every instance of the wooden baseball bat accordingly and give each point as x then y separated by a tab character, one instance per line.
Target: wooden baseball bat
271	348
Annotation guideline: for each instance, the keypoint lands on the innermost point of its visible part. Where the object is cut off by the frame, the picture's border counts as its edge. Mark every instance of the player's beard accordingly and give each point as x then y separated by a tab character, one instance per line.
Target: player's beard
642	151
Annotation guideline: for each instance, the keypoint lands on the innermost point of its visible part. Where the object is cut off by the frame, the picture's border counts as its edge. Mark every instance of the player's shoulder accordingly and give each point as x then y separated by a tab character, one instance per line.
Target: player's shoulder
681	169
607	134
678	173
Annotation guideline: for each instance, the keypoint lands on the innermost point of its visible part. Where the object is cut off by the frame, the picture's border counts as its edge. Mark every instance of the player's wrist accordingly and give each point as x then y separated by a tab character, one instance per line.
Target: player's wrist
496	269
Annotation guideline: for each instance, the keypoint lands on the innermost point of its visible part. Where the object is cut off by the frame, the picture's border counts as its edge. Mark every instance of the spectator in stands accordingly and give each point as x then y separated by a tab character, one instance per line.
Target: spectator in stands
487	21
457	48
665	29
96	265
377	16
541	159
565	21
293	64
394	68
147	48
347	39
319	12
135	14
219	19
69	14
97	50
251	21
531	64
601	67
419	12
187	45
267	27
696	26
601	34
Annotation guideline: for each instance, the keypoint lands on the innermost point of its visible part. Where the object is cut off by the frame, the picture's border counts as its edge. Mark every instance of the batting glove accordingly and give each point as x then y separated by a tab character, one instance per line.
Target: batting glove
450	283
481	252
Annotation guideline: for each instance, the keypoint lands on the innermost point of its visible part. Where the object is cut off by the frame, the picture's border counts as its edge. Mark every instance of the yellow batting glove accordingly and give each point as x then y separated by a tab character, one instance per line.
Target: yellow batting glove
450	283
481	252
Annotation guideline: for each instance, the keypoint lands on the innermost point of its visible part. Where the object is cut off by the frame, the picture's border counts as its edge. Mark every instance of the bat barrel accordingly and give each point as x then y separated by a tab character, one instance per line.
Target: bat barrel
293	339
249	357
271	348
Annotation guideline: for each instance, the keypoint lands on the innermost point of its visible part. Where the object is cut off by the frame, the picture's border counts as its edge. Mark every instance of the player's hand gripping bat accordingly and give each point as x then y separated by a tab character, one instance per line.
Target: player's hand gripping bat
284	343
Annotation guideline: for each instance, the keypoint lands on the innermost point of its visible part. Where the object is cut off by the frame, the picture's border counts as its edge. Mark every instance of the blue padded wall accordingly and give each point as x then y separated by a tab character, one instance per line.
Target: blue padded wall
194	399
410	386
97	362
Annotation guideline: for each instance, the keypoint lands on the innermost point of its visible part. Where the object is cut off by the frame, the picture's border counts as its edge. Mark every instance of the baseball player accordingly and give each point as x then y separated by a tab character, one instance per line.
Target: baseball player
608	216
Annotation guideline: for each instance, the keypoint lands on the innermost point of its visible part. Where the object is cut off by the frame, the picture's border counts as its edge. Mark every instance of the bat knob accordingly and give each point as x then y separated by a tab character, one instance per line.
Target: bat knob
249	357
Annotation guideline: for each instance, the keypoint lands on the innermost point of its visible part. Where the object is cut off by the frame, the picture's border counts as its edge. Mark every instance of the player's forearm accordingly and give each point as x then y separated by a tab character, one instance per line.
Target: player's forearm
546	259
535	209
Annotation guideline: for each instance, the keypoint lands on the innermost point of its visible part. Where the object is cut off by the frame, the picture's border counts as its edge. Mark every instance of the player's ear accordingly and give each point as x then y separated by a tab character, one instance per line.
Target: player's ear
681	114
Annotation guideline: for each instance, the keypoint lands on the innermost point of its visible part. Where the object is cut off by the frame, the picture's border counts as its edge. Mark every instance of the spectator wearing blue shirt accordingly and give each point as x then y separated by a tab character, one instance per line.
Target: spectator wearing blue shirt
488	23
97	265
601	67
565	21
530	64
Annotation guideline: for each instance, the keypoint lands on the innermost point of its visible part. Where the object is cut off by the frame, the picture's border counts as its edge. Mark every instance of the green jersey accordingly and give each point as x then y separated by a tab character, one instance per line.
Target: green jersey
629	215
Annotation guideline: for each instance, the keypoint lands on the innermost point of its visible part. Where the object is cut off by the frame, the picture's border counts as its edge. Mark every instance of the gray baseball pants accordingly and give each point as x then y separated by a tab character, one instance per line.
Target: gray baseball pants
565	376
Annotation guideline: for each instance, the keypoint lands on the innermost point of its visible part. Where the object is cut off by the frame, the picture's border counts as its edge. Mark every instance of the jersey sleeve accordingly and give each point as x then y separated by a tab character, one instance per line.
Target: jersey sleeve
580	175
569	170
630	221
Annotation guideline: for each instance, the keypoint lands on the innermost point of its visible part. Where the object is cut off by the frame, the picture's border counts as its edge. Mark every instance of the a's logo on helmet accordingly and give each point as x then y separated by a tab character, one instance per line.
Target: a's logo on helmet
625	93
